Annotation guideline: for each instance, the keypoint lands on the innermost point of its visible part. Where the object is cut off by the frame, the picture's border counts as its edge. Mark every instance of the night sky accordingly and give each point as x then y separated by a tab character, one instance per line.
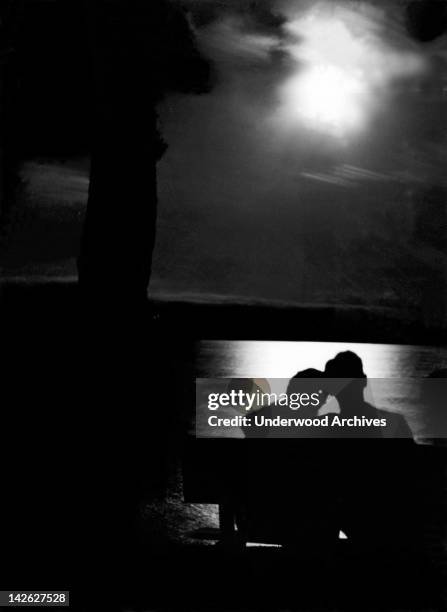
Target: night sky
304	174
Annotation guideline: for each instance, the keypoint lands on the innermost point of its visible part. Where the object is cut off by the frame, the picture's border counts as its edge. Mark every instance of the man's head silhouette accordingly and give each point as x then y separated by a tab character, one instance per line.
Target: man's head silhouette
345	365
347	380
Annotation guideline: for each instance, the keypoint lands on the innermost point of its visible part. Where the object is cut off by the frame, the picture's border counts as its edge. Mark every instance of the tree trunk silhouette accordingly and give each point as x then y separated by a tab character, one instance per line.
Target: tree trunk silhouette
119	227
119	230
140	51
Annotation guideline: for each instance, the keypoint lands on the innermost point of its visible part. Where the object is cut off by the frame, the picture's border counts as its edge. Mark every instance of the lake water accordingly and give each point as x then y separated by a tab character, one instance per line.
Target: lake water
276	359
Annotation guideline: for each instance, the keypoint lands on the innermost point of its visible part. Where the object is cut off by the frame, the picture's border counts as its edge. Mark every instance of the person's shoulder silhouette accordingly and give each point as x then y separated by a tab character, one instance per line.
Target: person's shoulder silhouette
348	382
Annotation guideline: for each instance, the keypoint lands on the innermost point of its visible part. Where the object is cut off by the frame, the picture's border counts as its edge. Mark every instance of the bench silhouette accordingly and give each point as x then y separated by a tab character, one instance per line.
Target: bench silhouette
397	491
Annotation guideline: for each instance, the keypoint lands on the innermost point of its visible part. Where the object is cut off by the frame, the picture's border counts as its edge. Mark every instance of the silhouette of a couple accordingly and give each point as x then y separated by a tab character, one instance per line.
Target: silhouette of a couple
344	381
301	493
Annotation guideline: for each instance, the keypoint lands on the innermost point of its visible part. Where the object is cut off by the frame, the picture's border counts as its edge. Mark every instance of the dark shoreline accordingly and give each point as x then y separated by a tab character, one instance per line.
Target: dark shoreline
249	321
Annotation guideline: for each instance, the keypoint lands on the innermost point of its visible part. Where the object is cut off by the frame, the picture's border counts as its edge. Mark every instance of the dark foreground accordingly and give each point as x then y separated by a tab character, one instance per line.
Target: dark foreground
96	403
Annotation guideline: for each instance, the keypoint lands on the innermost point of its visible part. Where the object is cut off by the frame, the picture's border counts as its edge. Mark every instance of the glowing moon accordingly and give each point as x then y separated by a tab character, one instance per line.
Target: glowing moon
328	97
345	68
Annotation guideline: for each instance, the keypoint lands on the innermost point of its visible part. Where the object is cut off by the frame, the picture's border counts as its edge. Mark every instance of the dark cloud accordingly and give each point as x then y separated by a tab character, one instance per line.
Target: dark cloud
426	20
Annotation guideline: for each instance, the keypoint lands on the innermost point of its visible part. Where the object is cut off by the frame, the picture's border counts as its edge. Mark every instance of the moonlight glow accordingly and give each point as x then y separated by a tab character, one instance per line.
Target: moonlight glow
344	68
330	98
